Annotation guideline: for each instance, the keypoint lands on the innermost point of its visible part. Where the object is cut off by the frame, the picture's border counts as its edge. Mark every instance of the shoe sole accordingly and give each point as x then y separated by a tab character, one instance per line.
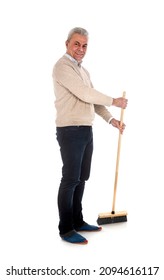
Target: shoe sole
90	230
78	243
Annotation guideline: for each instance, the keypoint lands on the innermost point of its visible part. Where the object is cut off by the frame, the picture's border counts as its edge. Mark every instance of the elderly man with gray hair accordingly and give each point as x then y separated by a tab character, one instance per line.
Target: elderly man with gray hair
76	103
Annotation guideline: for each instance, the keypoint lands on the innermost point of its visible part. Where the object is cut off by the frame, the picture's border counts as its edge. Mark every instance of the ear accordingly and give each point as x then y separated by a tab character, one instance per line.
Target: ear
66	43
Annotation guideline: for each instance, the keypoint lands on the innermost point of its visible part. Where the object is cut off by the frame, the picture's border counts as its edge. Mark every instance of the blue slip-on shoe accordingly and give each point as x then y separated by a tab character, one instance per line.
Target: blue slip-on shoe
74	237
87	227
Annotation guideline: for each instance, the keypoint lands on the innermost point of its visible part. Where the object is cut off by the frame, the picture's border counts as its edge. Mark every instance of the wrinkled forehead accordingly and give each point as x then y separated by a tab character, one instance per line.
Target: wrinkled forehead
82	39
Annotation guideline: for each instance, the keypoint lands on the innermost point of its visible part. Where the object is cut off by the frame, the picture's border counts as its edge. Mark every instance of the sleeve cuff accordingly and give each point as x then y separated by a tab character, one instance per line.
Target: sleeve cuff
110	119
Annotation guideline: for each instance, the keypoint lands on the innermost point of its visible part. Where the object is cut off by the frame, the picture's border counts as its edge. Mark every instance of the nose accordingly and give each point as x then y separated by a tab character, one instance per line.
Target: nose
80	48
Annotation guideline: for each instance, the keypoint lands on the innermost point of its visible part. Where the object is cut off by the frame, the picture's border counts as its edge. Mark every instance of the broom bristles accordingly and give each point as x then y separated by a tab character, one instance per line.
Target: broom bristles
109	218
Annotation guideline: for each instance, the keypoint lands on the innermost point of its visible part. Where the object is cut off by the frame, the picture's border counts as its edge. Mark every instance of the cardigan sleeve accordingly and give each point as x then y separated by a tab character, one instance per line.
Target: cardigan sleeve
103	112
73	80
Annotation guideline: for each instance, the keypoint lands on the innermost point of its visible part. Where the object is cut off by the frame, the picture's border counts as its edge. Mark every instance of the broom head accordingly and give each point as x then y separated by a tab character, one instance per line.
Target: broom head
110	217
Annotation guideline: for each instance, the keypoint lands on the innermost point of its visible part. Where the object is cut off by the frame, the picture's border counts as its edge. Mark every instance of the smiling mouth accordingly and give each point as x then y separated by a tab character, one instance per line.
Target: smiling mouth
79	54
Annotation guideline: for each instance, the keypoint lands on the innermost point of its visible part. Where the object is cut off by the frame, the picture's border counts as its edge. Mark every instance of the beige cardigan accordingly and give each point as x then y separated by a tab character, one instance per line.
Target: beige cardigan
76	99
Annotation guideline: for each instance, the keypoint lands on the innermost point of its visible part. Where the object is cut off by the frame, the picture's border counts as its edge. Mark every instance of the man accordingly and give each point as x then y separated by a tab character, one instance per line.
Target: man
76	103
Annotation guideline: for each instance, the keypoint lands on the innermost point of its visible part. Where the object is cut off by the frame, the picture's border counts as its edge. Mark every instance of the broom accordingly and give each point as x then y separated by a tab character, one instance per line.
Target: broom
114	217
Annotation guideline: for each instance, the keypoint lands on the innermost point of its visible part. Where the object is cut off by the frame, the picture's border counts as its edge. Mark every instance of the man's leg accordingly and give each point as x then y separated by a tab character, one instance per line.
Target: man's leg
73	142
85	173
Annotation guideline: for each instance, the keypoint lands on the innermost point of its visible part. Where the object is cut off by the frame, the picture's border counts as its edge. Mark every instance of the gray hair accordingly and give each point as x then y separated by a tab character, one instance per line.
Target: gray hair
78	30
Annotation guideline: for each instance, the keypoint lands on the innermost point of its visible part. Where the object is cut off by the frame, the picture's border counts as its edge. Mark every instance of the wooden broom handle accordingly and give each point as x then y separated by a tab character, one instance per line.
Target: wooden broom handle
118	159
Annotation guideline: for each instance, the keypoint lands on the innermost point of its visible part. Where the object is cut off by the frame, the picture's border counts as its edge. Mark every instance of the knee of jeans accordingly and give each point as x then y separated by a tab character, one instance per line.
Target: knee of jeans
69	182
84	178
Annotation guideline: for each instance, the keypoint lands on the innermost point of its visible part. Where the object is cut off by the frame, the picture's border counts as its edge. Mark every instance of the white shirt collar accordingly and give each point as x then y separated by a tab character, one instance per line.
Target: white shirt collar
73	60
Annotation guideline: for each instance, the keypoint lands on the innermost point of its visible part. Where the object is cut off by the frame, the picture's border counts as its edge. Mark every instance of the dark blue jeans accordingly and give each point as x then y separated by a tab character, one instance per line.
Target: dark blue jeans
76	147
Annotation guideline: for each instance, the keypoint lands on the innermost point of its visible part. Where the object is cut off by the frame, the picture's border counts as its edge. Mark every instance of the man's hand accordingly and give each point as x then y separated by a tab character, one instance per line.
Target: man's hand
118	125
120	102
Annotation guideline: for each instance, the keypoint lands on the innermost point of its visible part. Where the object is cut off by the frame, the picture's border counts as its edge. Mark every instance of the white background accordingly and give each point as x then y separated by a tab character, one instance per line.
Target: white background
125	52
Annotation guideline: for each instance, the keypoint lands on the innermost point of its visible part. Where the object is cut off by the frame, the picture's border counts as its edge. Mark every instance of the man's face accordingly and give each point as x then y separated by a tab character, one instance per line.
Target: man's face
77	46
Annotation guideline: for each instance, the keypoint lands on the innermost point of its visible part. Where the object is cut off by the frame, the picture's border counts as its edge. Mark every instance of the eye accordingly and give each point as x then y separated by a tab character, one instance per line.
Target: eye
85	46
76	44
